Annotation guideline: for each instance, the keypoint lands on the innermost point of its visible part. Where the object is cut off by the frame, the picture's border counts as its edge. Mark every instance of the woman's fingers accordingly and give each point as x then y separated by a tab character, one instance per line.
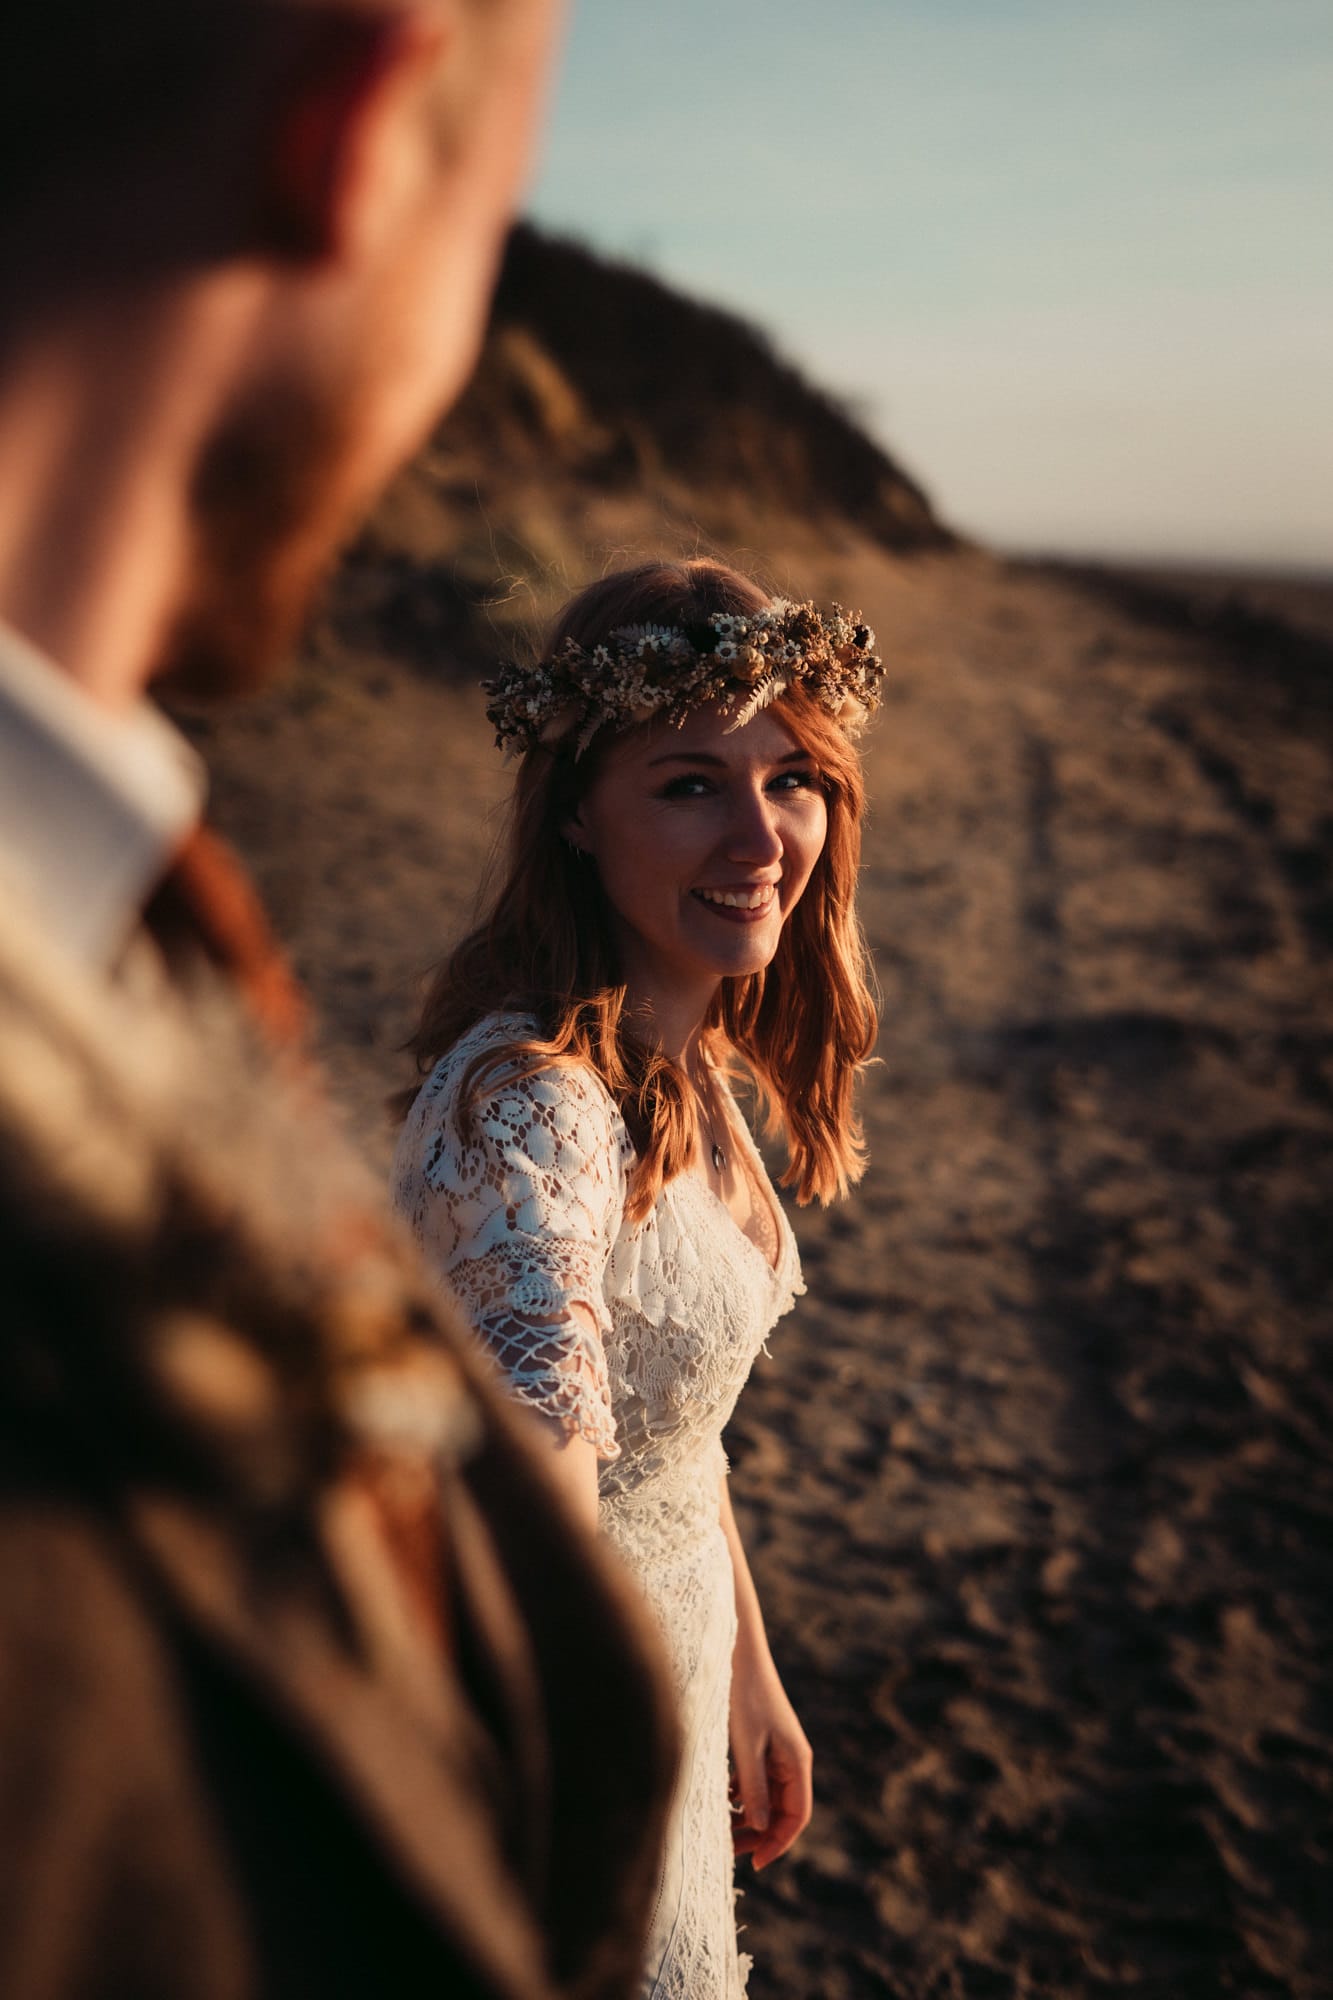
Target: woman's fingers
791	1801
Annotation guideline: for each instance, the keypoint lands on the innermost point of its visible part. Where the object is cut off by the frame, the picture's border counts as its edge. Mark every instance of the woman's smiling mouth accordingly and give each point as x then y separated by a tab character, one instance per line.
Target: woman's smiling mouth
745	905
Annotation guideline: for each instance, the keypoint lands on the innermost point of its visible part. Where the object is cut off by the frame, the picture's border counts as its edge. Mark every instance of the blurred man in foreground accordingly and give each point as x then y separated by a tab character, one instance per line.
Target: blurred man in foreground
297	1689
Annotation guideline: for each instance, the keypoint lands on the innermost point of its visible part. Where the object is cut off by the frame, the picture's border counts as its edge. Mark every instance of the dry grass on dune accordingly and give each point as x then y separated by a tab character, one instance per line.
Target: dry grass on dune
1037	1477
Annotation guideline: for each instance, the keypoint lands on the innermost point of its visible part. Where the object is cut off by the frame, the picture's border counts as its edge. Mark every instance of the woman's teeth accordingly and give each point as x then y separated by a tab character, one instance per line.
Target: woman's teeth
738	899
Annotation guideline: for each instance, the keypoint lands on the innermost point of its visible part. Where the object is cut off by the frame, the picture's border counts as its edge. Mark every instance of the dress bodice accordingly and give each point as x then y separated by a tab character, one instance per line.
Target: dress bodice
521	1207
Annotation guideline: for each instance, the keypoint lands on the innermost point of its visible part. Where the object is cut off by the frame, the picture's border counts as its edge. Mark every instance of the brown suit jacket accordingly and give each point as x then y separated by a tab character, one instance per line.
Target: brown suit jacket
240	1754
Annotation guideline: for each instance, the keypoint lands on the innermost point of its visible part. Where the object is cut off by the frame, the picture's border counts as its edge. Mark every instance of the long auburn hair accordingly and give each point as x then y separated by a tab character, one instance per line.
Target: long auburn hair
544	946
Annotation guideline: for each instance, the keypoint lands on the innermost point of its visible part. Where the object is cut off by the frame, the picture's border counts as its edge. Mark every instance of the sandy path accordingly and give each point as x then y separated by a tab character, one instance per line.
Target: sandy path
1037	1478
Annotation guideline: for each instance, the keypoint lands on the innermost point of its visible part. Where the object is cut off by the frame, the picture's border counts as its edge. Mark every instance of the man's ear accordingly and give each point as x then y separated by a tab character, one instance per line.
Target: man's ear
351	73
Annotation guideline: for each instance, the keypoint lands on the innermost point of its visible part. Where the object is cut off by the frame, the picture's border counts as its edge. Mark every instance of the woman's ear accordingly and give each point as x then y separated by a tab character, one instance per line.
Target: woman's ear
574	833
354	78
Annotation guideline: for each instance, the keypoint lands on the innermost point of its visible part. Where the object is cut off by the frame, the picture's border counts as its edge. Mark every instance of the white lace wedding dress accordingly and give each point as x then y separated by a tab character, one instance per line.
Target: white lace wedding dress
525	1218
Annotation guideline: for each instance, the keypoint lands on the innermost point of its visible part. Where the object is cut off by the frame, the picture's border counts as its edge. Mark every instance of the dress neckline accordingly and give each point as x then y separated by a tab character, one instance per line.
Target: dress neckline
774	1270
760	1185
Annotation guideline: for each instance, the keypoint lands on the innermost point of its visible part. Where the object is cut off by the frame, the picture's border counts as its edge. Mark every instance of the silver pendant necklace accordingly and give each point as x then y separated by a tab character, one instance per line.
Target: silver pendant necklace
719	1156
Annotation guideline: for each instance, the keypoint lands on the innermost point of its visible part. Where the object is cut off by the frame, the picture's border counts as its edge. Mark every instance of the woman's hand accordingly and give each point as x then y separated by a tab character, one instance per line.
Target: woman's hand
771	1761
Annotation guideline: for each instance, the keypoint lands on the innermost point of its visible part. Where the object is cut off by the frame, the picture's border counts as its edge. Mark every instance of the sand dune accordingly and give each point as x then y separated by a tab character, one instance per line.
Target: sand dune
1037	1478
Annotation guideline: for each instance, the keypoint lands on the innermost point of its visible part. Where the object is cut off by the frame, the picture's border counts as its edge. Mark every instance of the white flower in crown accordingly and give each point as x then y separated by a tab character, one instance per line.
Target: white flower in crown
724	624
727	651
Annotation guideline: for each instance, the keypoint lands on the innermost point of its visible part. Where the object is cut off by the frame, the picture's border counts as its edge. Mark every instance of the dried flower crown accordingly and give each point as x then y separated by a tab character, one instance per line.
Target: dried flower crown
644	673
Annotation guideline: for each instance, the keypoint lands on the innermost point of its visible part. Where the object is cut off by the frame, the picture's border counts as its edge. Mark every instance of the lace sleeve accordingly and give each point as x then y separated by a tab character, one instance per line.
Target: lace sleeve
520	1218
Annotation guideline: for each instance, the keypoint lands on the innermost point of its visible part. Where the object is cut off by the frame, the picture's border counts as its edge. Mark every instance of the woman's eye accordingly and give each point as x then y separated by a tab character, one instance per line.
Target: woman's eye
796	781
690	785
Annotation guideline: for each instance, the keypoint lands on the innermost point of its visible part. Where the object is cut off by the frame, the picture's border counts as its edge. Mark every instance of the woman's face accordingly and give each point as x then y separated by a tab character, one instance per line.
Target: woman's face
703	841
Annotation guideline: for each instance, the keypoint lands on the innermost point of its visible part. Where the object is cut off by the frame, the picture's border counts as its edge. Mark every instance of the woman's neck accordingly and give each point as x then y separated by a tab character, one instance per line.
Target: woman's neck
673	1019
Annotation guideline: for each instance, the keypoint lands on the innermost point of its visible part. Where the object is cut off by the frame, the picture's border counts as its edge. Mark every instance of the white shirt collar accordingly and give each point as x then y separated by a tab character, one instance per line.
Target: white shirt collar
93	805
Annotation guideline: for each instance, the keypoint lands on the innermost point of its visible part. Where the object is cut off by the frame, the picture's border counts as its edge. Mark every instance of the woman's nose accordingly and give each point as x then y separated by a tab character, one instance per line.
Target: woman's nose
753	835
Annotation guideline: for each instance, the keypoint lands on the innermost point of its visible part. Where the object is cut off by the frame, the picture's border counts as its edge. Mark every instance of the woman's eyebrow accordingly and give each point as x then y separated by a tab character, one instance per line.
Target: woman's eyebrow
720	763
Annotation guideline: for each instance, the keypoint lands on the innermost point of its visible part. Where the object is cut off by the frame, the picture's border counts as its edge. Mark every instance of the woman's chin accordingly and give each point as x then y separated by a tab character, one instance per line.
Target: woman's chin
748	955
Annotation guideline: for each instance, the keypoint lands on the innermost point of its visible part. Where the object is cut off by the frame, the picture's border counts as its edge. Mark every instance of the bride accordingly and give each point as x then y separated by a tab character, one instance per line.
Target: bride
677	907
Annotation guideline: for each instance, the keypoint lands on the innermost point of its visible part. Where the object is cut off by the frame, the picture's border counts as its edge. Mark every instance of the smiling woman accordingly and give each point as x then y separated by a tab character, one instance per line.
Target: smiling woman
678	903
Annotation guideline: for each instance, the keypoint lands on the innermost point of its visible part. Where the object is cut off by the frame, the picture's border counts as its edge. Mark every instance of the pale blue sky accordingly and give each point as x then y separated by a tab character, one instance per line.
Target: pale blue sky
1072	261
